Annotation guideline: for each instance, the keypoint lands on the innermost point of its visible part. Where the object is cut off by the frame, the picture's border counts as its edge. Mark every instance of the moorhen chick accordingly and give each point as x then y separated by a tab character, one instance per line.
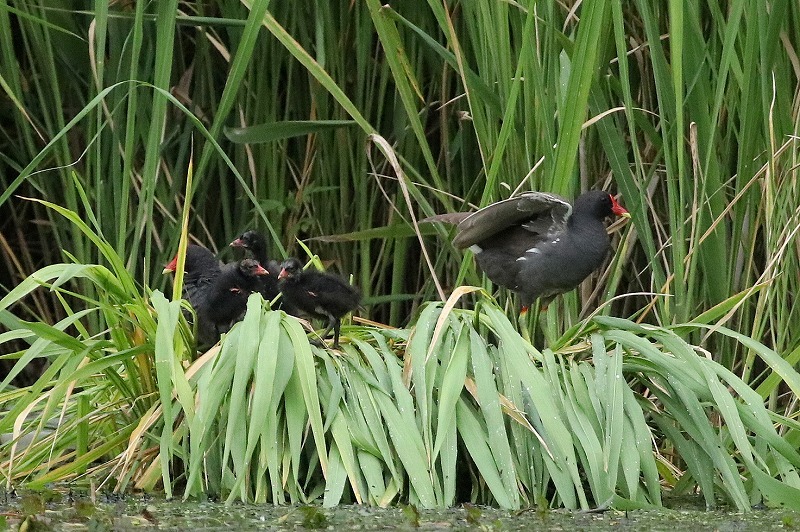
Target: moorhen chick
537	244
256	244
218	294
226	300
320	295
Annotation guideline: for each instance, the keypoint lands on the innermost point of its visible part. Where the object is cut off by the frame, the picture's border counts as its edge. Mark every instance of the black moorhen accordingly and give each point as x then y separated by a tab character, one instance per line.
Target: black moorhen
226	301
537	244
256	244
200	268
321	295
217	293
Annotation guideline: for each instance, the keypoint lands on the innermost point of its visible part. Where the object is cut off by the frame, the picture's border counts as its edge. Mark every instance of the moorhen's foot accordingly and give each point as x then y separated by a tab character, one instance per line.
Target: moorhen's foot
319	342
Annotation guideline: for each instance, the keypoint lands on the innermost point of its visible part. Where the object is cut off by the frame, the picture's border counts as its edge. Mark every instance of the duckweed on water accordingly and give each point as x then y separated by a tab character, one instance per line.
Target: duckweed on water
54	510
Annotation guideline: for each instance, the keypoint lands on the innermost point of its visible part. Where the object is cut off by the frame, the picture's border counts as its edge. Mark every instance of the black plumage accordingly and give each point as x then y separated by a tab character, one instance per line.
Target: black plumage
537	244
218	294
320	295
200	268
226	301
255	244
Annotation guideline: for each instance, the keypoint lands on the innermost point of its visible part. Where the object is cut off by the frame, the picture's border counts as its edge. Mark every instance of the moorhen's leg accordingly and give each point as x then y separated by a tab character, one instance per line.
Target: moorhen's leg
336	326
333	323
320	341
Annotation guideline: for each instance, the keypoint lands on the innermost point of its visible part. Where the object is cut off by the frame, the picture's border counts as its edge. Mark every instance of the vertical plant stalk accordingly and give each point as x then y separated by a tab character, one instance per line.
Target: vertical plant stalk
390	155
583	71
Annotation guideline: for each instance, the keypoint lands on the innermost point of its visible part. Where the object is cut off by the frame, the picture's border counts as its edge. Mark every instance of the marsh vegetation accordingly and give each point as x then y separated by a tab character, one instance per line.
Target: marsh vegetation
130	129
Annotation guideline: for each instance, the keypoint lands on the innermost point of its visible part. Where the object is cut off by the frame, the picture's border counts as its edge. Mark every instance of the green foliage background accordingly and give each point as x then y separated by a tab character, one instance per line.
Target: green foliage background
139	122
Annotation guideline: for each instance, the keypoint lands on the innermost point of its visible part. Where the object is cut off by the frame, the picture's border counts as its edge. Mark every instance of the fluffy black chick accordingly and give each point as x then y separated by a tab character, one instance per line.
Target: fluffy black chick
320	295
255	244
218	294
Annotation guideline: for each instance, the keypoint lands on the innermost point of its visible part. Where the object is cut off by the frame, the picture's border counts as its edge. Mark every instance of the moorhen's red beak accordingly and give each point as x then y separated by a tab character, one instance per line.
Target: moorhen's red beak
618	209
284	274
237	243
170	268
260	270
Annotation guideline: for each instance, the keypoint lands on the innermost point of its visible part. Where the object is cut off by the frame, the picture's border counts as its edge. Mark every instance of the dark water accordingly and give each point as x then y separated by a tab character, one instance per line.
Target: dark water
64	510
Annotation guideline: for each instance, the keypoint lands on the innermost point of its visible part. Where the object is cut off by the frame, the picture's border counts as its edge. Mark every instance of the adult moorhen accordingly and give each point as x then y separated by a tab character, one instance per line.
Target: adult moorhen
218	294
200	268
320	295
537	244
256	244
